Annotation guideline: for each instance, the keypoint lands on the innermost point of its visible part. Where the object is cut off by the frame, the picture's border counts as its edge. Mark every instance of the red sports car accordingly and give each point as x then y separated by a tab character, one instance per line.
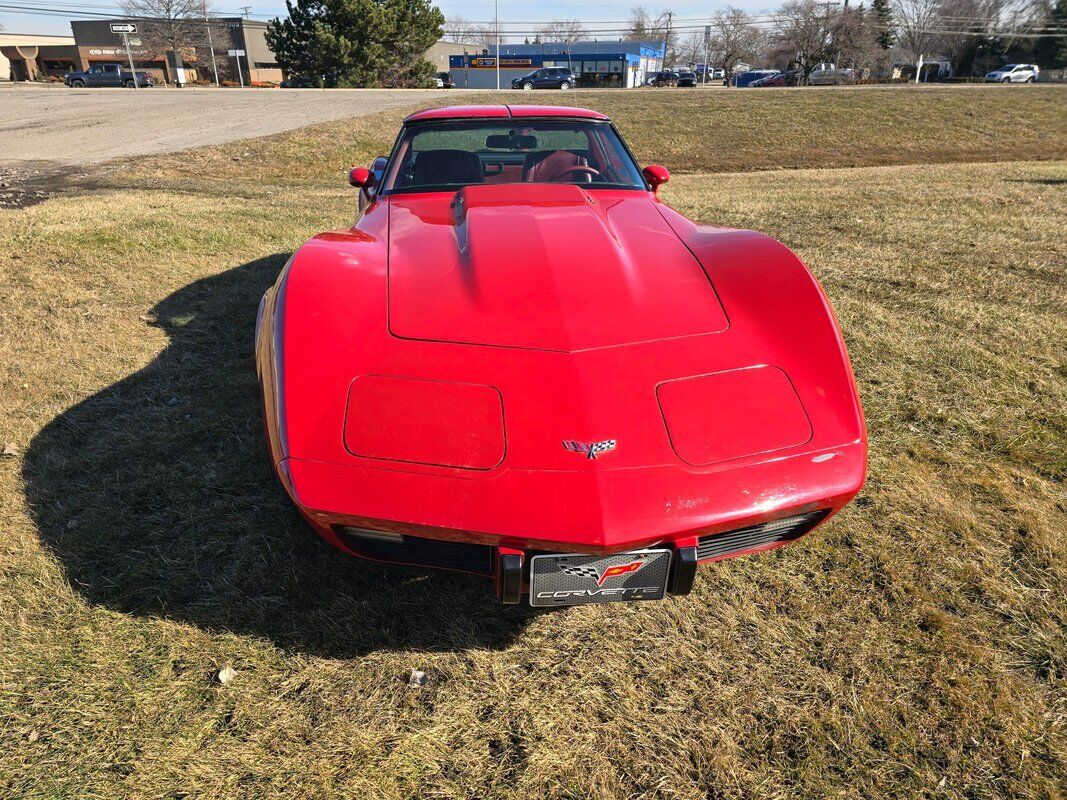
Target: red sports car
521	363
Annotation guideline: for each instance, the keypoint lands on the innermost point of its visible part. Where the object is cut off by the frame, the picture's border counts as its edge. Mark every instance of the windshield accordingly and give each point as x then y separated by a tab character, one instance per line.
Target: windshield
1007	68
443	156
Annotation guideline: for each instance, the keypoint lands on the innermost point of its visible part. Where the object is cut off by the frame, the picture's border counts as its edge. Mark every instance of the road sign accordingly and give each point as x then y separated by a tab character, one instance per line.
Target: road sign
241	76
123	27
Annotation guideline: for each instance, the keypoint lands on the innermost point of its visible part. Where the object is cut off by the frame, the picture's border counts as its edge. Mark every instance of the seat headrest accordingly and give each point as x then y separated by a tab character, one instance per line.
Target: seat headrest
433	167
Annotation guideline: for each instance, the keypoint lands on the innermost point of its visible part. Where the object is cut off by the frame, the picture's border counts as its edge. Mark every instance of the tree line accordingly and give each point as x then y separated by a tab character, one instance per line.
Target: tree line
382	43
974	35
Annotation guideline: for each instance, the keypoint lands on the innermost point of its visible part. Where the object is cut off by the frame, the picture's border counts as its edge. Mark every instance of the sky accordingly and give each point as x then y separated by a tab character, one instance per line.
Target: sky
514	15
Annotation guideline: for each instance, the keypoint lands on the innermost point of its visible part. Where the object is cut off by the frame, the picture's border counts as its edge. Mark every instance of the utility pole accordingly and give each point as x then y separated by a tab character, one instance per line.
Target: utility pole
707	39
667	38
496	13
210	44
246	9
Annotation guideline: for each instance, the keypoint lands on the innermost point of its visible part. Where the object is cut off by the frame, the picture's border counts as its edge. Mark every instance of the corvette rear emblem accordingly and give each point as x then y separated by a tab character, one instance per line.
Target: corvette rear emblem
600	577
591	449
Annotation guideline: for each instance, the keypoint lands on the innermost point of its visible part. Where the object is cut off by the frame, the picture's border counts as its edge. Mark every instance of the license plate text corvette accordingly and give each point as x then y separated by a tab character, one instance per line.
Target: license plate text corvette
569	580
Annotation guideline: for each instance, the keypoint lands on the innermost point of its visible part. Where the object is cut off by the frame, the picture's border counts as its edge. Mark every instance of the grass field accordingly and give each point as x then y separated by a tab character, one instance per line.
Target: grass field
913	647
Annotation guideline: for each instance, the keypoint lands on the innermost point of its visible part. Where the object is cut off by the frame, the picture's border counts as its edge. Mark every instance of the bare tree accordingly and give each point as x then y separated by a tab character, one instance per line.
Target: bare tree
485	35
734	39
644	26
457	29
855	41
690	48
804	33
641	25
916	20
188	28
562	30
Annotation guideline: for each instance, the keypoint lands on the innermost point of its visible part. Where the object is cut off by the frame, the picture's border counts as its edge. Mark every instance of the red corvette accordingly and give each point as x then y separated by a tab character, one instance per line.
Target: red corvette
521	363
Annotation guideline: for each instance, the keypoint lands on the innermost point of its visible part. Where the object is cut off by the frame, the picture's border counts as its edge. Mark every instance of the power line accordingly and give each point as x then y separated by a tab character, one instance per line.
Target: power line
767	21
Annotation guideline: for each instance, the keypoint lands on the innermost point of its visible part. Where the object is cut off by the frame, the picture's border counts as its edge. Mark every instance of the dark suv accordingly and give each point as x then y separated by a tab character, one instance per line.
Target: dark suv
665	78
545	78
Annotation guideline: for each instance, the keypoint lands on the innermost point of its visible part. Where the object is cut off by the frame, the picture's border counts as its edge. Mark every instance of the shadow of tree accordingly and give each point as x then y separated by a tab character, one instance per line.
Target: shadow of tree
157	498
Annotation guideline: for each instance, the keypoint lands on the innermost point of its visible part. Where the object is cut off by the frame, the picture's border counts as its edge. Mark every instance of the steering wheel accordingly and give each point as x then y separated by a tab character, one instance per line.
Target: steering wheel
576	168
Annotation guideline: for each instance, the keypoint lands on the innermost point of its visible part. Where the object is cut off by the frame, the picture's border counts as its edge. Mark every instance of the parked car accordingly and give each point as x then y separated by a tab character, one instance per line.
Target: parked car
444	81
665	78
524	393
107	75
1014	73
545	78
788	78
746	78
687	79
827	74
718	75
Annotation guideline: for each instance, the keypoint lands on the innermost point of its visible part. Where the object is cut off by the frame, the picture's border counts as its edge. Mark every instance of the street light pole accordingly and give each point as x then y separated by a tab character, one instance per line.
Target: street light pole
210	44
496	14
667	39
129	55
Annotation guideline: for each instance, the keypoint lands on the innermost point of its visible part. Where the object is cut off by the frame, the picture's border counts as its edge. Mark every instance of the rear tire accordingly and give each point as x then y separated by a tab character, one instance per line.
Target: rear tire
527	87
1030	79
130	85
77	83
565	86
1006	80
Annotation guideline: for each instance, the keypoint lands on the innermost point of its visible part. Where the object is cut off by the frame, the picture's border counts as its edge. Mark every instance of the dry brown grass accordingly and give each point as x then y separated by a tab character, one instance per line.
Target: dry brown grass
711	130
914	647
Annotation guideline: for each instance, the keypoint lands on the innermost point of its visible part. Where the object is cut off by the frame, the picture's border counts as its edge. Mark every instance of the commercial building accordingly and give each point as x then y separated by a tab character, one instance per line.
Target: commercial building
442	51
259	63
617	63
93	42
26	57
19	53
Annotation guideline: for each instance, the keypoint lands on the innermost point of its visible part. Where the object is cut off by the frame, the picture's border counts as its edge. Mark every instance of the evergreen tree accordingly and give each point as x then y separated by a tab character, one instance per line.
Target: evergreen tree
1050	52
357	43
882	19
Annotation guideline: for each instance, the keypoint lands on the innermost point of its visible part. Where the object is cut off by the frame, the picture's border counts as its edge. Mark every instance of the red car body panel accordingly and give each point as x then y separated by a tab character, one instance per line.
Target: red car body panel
507	112
421	370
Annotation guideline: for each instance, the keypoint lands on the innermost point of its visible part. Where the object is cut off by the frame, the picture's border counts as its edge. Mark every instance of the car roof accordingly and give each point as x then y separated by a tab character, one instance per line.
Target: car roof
503	112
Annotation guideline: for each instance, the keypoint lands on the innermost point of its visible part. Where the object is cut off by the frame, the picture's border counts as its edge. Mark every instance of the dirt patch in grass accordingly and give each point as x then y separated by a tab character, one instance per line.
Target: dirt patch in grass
913	647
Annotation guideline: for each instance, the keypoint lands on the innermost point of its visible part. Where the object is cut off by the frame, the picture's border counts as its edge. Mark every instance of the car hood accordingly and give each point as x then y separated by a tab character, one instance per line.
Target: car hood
542	266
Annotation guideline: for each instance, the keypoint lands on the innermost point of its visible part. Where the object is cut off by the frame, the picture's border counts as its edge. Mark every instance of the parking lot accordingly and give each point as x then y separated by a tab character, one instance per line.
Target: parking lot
81	126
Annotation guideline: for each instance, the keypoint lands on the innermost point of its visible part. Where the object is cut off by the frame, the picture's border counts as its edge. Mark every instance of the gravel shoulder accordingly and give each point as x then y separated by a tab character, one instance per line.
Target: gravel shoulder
84	126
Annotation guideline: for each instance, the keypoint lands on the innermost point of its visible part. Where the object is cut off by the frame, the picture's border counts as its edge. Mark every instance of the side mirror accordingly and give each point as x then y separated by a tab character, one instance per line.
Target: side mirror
363	179
656	176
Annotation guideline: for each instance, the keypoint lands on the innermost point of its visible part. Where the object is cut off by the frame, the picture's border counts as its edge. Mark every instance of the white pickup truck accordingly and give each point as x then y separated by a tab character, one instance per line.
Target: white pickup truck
827	74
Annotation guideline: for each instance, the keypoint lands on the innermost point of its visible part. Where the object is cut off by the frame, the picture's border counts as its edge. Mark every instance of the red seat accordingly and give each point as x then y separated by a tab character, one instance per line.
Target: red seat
554	166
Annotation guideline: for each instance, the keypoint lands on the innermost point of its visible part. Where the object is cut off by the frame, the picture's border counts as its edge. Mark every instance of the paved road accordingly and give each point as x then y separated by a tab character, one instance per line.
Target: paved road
81	126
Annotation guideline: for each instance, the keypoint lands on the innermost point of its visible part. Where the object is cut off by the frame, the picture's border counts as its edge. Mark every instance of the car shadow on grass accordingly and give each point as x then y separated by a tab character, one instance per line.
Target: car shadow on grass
156	496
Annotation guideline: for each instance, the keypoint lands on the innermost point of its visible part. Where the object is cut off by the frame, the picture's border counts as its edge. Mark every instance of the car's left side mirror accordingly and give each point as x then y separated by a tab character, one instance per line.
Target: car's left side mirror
363	179
656	176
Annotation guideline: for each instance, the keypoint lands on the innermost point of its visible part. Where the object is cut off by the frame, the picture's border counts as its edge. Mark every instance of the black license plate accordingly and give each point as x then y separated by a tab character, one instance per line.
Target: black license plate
566	579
